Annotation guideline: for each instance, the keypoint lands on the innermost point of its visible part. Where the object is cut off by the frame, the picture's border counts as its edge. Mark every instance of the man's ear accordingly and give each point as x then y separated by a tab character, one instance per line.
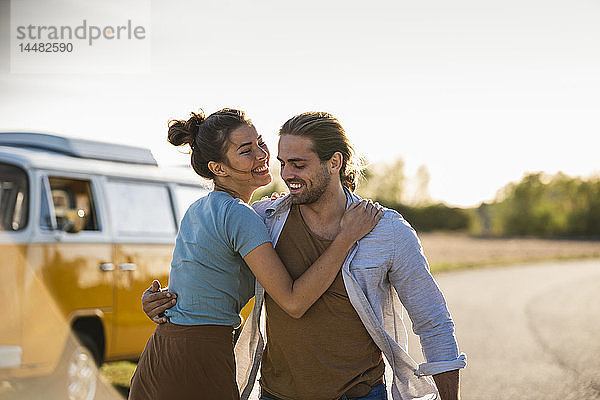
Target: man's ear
217	168
335	162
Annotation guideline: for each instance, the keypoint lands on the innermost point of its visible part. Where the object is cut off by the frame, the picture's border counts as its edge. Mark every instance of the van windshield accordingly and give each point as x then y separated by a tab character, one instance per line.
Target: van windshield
14	198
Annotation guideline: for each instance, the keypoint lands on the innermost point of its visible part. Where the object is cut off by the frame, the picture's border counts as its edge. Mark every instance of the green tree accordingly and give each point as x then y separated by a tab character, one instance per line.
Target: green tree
384	182
545	205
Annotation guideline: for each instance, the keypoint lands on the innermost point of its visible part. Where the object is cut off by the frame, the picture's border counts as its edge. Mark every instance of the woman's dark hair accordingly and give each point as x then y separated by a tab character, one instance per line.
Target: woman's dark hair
208	137
328	137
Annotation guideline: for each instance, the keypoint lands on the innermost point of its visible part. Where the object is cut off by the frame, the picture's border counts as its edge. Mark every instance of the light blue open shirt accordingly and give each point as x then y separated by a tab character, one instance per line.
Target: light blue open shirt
389	259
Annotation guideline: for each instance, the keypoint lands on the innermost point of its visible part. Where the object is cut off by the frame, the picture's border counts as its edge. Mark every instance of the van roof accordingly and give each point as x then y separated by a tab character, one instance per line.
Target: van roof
38	157
80	148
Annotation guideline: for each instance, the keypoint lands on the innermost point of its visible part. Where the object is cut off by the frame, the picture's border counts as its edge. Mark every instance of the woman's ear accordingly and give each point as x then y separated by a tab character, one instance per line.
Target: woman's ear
217	168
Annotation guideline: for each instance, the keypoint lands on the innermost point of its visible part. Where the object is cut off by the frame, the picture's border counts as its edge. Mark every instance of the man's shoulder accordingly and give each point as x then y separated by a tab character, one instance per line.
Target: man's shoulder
392	235
393	222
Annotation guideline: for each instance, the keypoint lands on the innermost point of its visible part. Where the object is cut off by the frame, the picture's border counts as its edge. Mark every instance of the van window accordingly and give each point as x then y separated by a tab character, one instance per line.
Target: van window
72	203
14	198
186	195
140	209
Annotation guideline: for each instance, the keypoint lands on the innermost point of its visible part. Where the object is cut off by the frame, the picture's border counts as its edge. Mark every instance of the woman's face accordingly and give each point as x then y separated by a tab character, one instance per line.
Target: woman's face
248	159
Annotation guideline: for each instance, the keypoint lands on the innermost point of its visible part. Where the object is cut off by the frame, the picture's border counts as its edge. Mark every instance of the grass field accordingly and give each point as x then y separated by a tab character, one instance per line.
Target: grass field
119	374
446	252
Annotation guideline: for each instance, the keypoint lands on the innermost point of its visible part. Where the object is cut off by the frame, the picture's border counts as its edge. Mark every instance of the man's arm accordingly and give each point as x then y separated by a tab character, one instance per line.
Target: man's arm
156	300
448	384
427	309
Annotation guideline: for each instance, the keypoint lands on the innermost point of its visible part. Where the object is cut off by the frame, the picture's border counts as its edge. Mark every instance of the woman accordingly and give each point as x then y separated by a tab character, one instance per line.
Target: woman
221	246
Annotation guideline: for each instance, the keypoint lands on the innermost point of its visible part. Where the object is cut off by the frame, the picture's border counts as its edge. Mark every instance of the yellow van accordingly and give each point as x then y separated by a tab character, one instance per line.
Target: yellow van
84	228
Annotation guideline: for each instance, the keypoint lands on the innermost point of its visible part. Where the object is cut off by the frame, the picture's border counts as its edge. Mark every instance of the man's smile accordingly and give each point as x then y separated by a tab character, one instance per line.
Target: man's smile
294	185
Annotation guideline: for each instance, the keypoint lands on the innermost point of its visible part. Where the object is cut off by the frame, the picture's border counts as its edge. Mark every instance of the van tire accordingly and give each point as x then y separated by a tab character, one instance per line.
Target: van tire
77	375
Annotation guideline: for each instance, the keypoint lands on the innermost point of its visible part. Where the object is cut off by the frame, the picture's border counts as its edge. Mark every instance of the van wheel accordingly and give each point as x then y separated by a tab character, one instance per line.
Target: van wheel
77	374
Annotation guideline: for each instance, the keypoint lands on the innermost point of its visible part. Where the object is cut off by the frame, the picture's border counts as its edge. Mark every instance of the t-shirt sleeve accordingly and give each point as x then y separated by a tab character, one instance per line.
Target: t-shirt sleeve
245	229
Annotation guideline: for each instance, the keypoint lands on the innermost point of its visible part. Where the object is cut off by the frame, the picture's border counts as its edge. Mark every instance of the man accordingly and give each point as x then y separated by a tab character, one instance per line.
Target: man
335	351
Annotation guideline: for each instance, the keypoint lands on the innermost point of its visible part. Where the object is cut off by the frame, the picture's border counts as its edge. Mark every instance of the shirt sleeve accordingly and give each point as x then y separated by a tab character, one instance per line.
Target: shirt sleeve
245	229
424	302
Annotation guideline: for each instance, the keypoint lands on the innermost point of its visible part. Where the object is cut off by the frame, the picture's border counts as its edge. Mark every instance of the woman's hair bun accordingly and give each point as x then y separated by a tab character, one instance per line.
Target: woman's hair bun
184	132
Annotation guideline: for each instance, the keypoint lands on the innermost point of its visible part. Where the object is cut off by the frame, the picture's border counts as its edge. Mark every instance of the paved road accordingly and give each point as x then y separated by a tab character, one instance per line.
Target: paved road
529	331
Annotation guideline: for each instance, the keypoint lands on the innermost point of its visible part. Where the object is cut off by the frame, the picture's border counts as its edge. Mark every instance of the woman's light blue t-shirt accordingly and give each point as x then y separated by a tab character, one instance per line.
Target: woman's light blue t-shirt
208	273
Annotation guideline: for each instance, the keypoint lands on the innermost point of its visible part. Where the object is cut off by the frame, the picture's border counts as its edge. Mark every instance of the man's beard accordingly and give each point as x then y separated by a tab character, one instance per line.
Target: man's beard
319	186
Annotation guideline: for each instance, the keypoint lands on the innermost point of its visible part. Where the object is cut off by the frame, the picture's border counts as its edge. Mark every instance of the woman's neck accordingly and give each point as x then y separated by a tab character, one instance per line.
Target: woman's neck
245	196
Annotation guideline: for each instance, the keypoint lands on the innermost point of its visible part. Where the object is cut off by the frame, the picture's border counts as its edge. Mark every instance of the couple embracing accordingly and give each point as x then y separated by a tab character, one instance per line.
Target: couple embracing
333	271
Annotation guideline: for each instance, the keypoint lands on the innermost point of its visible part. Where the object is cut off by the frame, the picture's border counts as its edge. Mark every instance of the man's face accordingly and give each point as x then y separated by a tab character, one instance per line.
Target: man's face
304	174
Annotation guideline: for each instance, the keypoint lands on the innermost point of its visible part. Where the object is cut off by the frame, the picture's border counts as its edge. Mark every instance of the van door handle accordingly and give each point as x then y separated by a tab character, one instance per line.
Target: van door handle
107	267
127	267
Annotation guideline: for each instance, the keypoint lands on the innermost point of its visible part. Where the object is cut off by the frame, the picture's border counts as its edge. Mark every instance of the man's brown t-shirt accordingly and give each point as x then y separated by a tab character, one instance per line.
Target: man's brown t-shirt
327	352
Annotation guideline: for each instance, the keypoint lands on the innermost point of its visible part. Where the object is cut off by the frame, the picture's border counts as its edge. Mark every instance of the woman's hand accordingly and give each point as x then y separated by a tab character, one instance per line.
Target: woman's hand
274	196
359	219
156	300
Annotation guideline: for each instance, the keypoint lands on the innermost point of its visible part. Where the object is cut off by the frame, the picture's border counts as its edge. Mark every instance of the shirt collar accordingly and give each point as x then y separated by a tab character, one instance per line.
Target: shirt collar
350	197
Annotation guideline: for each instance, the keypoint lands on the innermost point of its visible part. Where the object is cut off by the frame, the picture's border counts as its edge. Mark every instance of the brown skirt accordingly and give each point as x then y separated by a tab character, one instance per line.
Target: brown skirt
186	362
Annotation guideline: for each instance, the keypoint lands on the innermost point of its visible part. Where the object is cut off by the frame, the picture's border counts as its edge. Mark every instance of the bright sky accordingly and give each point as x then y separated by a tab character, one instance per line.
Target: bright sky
480	92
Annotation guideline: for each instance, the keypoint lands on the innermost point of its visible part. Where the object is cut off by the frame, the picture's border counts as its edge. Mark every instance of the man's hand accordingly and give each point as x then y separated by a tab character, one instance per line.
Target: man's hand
156	300
448	384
